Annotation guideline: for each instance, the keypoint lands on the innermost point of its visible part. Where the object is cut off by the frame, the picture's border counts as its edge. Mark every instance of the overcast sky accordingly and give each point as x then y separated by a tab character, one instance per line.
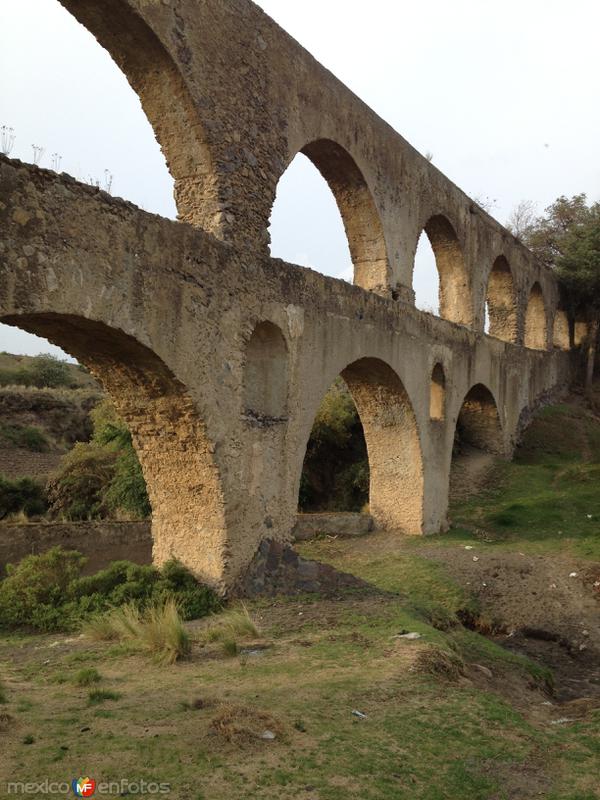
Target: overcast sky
505	95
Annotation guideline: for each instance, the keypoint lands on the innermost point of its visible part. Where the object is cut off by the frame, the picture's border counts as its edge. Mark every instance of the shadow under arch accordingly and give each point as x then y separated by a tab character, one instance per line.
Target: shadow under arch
165	99
478	424
561	329
478	437
501	301
359	213
393	444
171	441
455	287
536	321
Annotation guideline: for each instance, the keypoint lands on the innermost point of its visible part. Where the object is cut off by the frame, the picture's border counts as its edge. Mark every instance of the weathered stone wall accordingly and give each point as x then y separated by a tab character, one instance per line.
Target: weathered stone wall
101	542
233	98
218	356
162	313
309	526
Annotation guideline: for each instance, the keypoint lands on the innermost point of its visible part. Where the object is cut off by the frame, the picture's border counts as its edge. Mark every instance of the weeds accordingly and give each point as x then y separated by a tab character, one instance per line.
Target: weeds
87	677
97	696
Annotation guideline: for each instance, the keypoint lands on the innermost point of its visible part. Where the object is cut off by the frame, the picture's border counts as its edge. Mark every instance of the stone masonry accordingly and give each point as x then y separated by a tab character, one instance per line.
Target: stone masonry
218	356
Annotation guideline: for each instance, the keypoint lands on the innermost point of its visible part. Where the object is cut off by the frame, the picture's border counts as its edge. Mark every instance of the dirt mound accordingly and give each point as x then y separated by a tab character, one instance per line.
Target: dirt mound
546	607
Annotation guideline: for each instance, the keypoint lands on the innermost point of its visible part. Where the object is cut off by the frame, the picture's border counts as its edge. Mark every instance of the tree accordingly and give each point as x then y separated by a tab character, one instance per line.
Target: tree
522	219
545	236
578	269
48	371
566	239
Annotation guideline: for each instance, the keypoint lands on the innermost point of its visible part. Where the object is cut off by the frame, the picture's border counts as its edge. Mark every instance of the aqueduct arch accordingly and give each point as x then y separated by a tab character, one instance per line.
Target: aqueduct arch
501	302
170	439
536	321
437	398
167	101
393	444
455	290
359	213
167	313
266	374
561	334
478	423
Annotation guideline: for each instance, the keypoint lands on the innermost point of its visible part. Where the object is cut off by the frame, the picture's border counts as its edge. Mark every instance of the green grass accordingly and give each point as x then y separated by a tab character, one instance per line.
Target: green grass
97	696
547	499
87	677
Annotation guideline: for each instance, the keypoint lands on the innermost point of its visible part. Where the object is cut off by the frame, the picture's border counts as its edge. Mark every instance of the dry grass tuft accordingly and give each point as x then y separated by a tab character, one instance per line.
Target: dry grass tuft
158	629
243	725
439	662
229	626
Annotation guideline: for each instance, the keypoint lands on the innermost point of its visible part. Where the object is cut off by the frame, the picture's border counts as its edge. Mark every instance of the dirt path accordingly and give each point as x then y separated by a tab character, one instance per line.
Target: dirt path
470	472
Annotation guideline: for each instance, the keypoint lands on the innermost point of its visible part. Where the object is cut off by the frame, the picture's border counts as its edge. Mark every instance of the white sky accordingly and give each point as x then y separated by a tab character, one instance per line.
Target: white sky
505	95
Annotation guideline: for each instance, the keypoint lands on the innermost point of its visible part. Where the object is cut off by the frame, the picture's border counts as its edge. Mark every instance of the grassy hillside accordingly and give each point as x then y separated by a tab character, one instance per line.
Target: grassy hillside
40	423
79	377
548	498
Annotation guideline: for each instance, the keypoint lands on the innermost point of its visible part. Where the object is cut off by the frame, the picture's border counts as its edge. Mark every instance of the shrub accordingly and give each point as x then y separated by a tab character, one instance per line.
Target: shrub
78	493
194	600
44	371
34	591
24	495
103	477
127	489
49	372
47	592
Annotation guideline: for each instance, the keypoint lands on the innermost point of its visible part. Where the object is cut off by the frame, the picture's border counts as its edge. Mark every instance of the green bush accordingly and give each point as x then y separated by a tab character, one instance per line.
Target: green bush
103	477
23	495
48	593
49	372
127	489
35	590
78	492
15	377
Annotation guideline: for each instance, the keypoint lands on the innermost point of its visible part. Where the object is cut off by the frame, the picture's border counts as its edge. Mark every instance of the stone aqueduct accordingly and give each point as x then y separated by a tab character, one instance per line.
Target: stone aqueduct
217	355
